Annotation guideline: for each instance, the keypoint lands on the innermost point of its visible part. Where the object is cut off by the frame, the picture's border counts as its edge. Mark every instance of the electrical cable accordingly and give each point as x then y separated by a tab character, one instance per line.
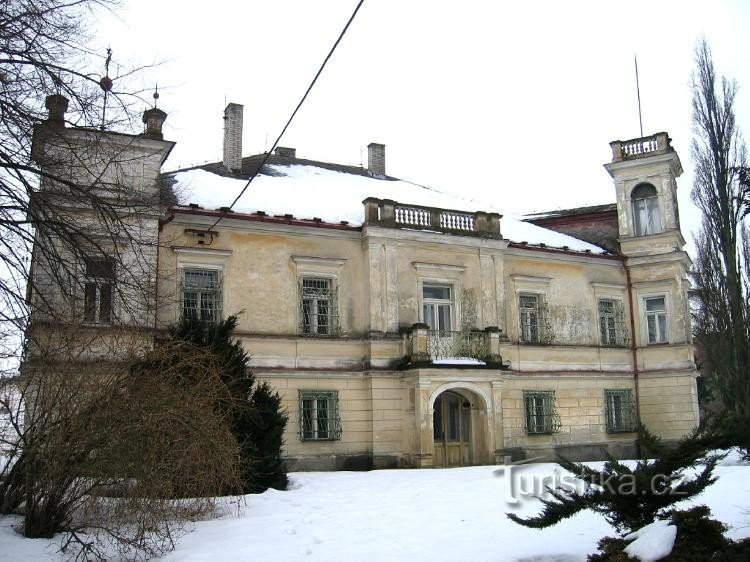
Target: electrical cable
289	122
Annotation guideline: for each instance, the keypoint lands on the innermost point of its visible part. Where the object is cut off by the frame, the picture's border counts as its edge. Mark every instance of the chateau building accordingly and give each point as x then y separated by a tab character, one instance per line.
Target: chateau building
402	326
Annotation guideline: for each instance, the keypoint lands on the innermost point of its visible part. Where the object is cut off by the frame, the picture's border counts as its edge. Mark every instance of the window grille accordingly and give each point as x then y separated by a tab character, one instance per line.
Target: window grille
656	319
319	415
541	414
612	330
201	294
620	411
318	307
534	319
98	289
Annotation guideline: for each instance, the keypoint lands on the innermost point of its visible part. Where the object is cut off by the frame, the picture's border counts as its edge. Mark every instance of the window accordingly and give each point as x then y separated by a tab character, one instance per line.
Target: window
318	307
620	410
541	415
656	319
532	313
201	294
611	322
98	289
319	415
437	307
645	210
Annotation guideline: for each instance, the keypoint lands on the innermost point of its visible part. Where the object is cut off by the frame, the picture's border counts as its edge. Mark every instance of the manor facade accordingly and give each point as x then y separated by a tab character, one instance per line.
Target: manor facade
405	328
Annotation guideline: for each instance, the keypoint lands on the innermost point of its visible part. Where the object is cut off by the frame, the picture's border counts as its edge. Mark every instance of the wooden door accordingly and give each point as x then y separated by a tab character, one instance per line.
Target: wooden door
451	421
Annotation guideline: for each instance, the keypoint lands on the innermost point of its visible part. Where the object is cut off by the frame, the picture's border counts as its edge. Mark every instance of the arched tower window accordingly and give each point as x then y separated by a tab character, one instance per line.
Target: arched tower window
645	210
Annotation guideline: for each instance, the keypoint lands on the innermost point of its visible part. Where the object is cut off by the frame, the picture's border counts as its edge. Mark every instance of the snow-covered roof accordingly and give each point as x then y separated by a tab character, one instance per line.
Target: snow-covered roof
308	191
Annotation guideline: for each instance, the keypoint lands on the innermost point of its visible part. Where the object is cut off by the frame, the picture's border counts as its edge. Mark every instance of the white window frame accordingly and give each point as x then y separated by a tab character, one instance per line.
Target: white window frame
217	292
432	307
314	327
646	212
200	258
540	423
661	338
619	410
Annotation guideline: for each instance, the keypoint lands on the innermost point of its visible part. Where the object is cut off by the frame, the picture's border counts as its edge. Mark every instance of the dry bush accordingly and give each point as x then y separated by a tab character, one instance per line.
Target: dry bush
120	457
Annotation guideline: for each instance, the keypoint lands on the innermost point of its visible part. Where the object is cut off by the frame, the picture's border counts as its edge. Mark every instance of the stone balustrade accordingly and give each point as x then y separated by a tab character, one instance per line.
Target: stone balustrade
640	147
392	214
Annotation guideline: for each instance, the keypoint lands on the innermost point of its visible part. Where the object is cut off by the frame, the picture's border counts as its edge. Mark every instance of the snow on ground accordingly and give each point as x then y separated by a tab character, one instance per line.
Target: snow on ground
307	191
394	515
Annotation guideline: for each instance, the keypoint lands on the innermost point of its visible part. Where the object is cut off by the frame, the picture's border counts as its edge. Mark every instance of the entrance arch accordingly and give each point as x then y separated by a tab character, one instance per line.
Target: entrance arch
458	420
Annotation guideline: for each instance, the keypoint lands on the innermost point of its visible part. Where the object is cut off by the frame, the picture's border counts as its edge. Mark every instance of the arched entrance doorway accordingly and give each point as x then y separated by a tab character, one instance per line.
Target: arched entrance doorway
451	424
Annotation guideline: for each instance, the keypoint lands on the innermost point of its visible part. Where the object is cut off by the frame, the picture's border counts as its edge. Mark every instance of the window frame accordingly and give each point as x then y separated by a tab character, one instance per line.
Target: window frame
94	284
616	330
543	334
217	292
332	419
650	210
550	418
661	338
624	400
333	324
437	304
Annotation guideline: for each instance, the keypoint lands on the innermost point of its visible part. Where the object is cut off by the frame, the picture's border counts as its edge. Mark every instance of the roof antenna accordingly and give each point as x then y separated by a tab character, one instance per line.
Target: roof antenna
106	84
638	90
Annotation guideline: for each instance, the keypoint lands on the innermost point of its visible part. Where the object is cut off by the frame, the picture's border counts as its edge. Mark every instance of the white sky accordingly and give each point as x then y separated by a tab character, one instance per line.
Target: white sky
511	102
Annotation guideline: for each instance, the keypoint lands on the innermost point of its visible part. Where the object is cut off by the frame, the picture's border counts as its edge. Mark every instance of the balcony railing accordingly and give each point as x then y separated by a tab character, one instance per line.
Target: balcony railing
640	147
385	212
442	346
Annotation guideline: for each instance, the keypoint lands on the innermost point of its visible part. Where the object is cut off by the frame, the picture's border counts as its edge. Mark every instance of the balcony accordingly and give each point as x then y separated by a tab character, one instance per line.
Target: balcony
659	143
442	347
388	213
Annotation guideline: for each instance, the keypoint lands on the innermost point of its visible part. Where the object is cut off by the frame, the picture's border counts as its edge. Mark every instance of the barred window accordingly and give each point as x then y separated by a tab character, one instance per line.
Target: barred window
612	329
533	317
620	411
541	415
98	290
319	415
318	307
201	294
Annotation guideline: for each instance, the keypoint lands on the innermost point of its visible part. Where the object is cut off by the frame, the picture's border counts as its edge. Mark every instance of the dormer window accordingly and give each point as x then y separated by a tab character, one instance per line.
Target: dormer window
646	217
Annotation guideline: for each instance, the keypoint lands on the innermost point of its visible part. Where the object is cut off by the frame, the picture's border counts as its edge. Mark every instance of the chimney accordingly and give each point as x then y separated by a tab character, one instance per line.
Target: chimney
287	152
57	106
154	119
376	159
233	137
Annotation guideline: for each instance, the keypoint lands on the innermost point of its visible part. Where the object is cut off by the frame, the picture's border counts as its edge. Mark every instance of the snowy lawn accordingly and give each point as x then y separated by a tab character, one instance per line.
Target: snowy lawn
453	514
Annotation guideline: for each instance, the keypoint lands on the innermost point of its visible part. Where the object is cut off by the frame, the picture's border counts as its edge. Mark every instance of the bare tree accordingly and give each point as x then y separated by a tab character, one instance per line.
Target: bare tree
721	267
123	459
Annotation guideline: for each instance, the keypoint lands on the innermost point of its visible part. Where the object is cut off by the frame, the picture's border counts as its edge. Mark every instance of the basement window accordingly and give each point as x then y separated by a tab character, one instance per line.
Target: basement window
319	415
620	411
541	414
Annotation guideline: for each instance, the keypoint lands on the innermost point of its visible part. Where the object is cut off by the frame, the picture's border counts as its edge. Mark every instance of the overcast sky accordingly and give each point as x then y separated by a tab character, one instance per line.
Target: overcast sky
513	103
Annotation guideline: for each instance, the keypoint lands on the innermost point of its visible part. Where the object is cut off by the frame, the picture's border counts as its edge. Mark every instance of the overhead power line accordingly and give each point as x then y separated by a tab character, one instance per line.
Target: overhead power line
291	118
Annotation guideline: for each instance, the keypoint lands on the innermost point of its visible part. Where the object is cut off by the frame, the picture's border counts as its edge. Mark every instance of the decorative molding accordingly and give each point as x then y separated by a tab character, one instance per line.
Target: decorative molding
318	261
423	266
201	252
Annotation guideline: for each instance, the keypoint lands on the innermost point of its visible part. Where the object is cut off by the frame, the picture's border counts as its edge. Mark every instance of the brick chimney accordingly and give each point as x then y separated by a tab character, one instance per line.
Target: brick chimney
233	137
376	159
286	151
57	106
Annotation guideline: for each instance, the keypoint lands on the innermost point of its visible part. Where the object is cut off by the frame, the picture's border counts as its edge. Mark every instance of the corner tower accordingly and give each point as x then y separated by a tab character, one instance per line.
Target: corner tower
645	172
